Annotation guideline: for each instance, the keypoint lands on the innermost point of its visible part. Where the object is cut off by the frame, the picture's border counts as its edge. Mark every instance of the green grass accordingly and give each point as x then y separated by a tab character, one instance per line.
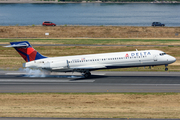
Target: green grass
97	41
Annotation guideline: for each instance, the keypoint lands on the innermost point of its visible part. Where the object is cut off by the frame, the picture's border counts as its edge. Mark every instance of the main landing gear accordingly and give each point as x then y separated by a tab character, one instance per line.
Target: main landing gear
166	69
86	74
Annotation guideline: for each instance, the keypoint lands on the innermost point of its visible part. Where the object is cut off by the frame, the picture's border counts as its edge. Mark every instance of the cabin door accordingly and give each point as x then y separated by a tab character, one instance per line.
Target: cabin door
155	58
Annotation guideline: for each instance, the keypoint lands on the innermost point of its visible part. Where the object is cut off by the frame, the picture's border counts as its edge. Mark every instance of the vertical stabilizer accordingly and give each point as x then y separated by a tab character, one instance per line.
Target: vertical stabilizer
26	51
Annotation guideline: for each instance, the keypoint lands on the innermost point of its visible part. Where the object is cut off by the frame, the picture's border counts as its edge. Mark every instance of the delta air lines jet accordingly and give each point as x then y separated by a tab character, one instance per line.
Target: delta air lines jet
87	63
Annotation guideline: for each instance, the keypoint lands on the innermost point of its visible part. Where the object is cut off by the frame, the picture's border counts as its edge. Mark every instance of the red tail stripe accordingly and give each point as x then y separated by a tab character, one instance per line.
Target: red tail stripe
26	50
30	50
32	56
25	58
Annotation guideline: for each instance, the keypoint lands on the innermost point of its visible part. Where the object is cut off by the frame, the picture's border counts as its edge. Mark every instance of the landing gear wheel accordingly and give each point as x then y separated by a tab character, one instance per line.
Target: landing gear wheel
166	69
87	74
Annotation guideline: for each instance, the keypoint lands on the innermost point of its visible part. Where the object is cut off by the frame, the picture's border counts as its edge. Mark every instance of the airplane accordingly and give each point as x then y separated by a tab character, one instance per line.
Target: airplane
87	63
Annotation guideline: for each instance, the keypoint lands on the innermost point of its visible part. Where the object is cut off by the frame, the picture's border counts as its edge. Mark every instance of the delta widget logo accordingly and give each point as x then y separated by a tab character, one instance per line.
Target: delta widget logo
126	55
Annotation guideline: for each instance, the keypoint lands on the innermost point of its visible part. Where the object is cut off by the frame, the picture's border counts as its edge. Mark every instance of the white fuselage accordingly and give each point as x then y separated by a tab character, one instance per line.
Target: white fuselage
103	61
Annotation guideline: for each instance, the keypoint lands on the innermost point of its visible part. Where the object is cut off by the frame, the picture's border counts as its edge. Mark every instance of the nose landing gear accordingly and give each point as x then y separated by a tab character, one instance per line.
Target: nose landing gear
166	69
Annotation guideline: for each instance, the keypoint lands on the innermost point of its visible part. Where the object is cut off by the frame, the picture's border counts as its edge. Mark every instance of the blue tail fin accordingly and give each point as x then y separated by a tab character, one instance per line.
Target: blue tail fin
26	51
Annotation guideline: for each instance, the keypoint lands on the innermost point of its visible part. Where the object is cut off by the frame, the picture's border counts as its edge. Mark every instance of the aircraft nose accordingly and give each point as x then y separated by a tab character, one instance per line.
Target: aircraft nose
172	59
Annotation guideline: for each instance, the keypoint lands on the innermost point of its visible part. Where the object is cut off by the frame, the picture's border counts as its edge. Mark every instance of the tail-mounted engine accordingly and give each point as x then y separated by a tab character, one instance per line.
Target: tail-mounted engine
48	65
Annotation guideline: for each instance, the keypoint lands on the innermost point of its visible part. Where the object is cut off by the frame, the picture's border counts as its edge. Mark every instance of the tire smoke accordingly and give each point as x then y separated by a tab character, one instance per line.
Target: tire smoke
34	72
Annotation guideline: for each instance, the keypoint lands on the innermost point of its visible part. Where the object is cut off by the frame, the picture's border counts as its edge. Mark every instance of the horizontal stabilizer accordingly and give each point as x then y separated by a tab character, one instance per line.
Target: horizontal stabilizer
18	45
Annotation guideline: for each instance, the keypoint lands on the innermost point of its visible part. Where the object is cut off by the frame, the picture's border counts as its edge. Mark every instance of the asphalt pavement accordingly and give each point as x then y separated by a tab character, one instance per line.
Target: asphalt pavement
17	82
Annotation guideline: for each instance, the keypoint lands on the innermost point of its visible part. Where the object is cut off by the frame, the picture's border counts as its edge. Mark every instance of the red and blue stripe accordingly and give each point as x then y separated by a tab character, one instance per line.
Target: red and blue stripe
27	52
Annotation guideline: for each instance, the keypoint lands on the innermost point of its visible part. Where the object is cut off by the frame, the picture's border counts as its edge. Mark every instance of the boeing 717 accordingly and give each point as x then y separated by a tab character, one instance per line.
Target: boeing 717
87	63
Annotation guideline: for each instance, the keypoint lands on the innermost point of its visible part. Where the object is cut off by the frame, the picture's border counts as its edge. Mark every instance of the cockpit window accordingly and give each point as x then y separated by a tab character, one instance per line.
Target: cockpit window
161	54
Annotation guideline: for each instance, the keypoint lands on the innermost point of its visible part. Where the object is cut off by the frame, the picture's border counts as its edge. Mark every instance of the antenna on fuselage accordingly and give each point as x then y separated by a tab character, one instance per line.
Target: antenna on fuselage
136	50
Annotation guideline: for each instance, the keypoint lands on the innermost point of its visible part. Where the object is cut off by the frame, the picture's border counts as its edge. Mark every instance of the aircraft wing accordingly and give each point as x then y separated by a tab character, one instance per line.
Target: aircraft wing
89	67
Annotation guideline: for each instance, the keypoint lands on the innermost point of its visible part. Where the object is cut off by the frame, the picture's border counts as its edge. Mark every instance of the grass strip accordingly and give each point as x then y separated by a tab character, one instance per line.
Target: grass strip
98	41
90	105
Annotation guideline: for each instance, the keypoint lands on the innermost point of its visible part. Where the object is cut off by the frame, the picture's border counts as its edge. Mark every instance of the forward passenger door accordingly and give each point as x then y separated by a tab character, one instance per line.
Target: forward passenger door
155	57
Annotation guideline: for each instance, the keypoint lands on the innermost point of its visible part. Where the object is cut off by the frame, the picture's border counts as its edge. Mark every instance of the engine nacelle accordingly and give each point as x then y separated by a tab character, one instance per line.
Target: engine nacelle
51	65
59	65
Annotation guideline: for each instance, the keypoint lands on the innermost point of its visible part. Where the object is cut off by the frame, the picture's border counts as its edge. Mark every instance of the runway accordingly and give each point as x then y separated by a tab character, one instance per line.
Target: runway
16	82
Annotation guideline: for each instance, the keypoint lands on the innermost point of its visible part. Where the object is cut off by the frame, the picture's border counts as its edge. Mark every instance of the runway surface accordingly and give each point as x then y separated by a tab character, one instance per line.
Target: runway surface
17	82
